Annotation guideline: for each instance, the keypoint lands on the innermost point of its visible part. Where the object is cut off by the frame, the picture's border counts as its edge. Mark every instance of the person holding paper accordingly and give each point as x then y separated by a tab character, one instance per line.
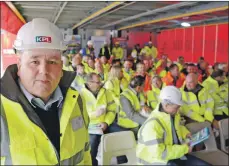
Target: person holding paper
101	110
161	139
198	105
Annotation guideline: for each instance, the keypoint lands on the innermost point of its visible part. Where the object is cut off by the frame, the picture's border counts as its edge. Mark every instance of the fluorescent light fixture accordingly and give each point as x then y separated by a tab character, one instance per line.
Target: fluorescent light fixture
185	24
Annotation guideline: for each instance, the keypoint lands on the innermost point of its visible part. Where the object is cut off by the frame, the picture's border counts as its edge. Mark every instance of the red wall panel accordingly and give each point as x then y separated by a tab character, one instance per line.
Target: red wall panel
9	21
198	43
188	47
179	44
171	40
209	44
222	43
138	38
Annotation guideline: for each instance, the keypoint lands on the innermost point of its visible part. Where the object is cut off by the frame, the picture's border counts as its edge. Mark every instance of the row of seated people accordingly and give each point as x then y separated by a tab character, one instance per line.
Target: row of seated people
120	99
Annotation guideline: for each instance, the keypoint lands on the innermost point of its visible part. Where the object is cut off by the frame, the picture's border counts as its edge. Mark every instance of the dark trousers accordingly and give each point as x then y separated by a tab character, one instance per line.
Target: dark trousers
220	117
94	142
191	161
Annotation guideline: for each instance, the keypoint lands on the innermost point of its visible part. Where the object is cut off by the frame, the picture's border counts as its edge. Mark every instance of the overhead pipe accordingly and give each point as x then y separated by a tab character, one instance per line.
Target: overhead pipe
170	7
60	11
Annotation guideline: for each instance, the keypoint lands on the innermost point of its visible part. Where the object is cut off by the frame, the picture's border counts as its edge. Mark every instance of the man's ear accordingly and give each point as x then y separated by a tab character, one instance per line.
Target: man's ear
19	66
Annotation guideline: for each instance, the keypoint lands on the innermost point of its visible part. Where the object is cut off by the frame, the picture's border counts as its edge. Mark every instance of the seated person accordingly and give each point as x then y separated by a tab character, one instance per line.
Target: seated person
79	81
76	60
153	95
127	70
213	84
106	65
100	71
90	68
129	116
161	137
101	110
174	77
198	105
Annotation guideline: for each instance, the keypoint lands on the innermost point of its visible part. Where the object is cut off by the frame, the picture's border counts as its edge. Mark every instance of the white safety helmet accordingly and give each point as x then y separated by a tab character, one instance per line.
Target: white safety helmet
90	43
172	95
105	43
39	33
81	51
134	54
150	42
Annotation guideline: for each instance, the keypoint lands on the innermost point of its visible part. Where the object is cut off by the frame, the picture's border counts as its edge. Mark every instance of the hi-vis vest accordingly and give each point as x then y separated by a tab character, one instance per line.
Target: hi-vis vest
25	143
117	53
213	87
106	67
103	100
198	108
67	68
123	120
103	50
155	140
128	75
153	97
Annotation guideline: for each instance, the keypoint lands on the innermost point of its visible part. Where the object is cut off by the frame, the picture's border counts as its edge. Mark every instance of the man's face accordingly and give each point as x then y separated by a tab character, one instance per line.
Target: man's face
191	83
147	64
76	60
40	71
103	60
141	69
181	60
91	63
203	65
127	65
175	72
116	45
157	83
90	46
80	70
99	67
172	109
191	69
95	83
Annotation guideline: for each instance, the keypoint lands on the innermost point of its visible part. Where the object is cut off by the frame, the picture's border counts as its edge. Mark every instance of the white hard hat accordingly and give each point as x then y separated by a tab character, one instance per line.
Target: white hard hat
81	51
134	54
39	33
172	95
150	42
89	42
105	43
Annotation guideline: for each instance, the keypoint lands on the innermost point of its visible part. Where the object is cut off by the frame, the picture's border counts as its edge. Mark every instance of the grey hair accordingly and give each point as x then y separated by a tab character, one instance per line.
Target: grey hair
89	77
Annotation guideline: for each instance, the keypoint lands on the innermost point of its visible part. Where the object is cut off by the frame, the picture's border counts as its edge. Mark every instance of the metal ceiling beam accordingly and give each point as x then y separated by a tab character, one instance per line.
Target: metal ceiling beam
60	11
201	9
99	12
166	8
38	7
16	12
125	5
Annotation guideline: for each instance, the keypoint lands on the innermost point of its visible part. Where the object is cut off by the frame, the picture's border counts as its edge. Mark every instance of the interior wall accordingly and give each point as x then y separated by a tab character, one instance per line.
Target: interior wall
209	41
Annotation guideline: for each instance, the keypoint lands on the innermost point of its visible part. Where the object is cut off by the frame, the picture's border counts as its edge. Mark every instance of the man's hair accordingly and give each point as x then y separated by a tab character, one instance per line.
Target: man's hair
139	64
89	77
80	65
137	81
172	67
114	61
180	57
191	64
201	58
218	73
156	77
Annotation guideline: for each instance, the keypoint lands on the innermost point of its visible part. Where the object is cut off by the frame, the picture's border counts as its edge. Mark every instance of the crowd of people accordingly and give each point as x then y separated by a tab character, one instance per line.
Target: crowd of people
55	107
135	84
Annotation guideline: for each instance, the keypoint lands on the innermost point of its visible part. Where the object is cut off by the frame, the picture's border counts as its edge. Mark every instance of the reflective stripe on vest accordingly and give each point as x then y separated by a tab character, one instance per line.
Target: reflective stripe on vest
141	161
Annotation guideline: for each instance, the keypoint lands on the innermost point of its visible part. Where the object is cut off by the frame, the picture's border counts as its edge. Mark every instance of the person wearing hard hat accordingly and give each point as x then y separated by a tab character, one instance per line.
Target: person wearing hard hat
117	51
161	139
213	84
105	51
89	50
43	120
101	110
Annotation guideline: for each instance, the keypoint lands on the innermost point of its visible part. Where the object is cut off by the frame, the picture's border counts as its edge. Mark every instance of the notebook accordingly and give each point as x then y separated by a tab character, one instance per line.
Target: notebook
95	129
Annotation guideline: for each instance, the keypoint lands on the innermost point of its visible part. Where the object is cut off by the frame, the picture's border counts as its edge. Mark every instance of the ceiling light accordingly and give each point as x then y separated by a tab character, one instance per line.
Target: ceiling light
185	24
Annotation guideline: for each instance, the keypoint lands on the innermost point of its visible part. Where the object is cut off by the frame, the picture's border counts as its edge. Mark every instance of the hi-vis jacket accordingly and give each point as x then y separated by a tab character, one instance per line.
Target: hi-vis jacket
104	100
67	68
23	137
155	140
117	52
198	108
221	106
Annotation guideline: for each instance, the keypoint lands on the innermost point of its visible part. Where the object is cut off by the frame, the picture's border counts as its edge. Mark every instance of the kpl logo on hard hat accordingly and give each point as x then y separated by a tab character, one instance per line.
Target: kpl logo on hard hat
45	39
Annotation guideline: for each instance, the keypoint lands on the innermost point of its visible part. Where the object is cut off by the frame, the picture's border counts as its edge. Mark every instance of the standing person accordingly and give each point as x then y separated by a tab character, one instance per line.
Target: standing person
105	51
161	137
89	50
203	70
153	50
101	110
36	99
117	51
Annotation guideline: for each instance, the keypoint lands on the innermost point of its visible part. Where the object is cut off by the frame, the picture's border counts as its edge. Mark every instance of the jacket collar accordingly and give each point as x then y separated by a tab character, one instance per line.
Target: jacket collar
10	88
198	88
